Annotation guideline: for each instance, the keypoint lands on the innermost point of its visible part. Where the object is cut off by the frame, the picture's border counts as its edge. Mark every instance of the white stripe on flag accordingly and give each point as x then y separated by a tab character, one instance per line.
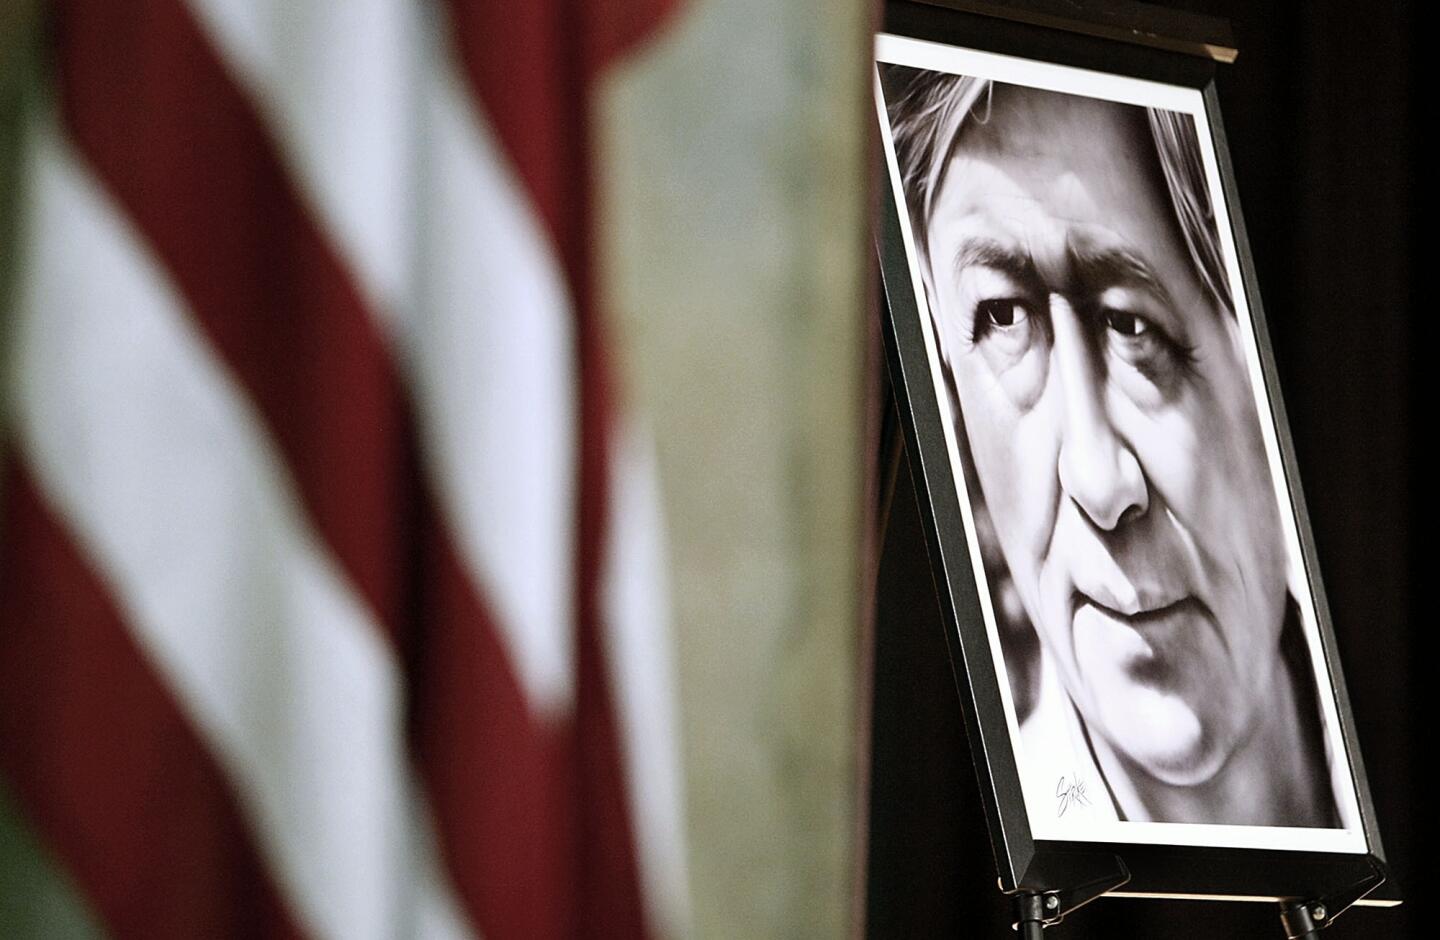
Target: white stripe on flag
335	84
492	357
478	312
160	467
634	606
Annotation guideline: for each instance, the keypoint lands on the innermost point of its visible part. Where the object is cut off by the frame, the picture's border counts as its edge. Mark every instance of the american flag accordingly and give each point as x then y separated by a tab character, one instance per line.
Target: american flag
331	574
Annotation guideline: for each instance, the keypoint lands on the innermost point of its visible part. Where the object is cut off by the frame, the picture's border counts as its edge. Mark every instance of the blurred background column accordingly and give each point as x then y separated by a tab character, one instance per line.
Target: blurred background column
734	199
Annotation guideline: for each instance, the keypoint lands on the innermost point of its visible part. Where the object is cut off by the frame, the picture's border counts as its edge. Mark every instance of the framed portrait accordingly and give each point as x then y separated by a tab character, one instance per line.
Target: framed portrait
1100	448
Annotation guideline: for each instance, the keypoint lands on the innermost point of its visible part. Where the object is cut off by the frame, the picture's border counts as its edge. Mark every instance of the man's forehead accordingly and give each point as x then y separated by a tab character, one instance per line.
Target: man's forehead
1038	123
985	200
1077	174
997	191
1078	258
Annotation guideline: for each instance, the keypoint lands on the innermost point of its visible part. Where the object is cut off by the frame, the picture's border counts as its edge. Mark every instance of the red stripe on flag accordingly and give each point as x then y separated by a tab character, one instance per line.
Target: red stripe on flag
609	875
522	62
107	768
498	783
618	27
531	70
173	139
532	65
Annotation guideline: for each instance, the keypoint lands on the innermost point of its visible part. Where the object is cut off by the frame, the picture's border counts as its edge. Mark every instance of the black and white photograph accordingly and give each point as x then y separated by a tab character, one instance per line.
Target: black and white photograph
1126	507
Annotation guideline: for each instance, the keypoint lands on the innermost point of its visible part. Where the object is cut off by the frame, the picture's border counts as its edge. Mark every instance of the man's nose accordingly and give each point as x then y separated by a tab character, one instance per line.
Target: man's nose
1098	470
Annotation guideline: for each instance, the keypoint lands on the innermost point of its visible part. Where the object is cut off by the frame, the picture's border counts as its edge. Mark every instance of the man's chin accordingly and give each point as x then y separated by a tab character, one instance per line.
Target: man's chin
1165	739
1189	768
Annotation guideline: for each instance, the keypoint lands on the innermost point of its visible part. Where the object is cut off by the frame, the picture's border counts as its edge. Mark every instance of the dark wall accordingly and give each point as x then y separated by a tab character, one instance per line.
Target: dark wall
1321	110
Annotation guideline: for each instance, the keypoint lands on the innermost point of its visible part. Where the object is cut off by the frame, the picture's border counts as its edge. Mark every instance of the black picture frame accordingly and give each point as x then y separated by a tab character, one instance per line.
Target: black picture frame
1135	42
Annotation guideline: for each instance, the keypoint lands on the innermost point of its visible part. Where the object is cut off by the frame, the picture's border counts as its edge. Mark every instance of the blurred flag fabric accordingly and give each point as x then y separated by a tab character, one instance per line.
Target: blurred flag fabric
331	562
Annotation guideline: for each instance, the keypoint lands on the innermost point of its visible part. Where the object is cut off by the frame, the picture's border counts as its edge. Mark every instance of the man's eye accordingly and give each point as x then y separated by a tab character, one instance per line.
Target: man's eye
1000	313
1005	329
1126	323
1144	344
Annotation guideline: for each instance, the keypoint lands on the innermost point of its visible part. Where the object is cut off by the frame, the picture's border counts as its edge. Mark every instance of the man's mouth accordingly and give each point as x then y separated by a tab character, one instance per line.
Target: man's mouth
1146	643
1138	618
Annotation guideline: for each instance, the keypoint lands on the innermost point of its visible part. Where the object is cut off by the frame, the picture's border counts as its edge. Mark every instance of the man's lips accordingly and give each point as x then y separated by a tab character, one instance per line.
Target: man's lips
1140	617
1128	602
1145	643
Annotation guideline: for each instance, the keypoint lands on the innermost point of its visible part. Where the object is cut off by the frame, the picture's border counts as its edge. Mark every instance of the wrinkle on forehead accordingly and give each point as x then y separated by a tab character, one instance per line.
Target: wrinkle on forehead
1028	122
1063	179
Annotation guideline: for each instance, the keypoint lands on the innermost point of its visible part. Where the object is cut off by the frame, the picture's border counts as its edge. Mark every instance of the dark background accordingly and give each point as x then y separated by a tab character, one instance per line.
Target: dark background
1322	111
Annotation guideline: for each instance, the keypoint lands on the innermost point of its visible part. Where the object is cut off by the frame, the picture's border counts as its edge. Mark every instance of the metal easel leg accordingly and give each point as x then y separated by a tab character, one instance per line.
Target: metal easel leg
1299	919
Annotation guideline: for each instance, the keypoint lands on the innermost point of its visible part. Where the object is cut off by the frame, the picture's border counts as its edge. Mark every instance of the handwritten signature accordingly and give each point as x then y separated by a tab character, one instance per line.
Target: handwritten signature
1071	794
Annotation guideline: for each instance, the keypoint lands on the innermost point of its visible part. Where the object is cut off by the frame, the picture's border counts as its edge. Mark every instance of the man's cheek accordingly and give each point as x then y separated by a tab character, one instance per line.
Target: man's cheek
1037	471
1022	381
1232	477
1170	447
1020	482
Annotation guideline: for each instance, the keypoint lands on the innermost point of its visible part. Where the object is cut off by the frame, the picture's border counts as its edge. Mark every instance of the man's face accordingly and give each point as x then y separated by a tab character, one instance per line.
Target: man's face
1109	413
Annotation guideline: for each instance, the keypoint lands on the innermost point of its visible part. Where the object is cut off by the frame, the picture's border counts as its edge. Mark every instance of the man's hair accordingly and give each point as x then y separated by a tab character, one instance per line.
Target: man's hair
929	111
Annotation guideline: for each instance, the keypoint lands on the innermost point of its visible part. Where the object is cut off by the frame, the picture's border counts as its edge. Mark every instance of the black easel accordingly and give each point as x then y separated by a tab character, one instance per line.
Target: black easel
1303	920
1036	911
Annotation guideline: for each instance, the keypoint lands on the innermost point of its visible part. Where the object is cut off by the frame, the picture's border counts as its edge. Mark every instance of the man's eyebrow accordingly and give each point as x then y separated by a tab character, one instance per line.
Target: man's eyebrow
1099	268
989	253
